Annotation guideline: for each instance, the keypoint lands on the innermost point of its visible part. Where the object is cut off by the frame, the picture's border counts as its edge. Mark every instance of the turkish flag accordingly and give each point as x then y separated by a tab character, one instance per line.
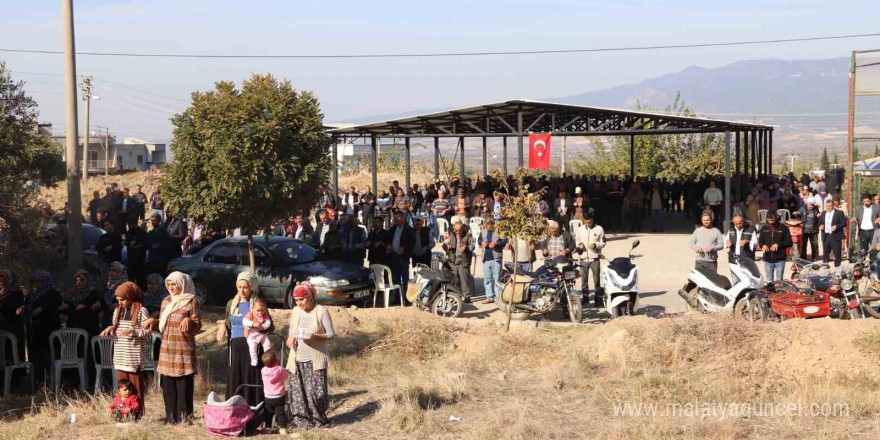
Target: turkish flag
539	150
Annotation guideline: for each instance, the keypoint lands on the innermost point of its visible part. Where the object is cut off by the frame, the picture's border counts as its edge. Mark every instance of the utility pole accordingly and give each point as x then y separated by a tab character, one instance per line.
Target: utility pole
87	97
107	152
74	202
792	157
564	139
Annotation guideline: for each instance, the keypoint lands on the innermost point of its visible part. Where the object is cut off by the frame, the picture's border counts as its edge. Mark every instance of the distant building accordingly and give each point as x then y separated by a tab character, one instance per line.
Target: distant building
105	153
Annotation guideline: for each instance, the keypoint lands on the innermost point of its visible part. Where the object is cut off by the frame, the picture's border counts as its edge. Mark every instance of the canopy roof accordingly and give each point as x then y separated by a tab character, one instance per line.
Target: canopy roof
868	167
512	118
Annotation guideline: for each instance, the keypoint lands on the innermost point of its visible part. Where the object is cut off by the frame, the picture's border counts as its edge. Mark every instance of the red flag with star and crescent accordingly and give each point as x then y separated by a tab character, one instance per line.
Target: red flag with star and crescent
539	150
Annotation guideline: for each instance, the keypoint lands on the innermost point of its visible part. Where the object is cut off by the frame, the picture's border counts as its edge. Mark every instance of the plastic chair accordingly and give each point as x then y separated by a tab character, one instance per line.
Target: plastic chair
69	341
476	224
102	350
151	356
762	216
573	225
784	214
8	341
442	227
380	271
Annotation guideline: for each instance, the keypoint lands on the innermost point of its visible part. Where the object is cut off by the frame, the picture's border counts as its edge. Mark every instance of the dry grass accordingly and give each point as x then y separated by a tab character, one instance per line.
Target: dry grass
401	374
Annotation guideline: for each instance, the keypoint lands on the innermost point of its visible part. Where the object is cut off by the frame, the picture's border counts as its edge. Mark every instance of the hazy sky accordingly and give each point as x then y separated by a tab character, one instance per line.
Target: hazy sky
139	94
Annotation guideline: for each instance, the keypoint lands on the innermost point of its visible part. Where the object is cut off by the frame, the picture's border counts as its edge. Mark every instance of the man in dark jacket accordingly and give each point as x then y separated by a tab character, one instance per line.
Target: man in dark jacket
809	214
399	249
459	247
109	246
865	221
774	239
559	245
136	242
831	224
321	230
424	242
493	253
741	239
177	232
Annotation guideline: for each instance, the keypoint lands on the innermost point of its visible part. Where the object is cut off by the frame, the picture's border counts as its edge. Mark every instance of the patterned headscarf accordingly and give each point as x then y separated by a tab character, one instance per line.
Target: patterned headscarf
113	283
131	292
45	282
75	295
153	301
180	300
255	290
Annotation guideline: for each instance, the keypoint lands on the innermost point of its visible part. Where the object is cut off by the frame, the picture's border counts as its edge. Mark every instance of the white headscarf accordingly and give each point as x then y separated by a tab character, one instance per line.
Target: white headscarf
255	289
177	301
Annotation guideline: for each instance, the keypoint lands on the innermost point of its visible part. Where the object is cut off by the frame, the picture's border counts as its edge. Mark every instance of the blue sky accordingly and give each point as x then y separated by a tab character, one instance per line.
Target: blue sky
138	95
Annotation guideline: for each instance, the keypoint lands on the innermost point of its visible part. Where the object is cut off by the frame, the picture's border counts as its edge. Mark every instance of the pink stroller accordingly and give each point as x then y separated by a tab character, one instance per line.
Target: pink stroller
232	417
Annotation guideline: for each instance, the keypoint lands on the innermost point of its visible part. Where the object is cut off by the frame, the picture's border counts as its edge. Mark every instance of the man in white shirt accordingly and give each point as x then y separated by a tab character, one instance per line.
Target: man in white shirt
590	239
713	197
867	218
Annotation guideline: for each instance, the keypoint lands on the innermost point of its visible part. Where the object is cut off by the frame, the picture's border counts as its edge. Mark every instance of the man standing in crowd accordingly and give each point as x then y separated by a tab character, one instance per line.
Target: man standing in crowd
831	224
157	204
158	242
300	230
809	214
713	197
350	202
459	247
867	217
706	241
95	205
177	232
558	245
141	200
441	208
742	239
493	253
562	207
423	242
323	228
590	239
399	251
136	242
657	198
774	241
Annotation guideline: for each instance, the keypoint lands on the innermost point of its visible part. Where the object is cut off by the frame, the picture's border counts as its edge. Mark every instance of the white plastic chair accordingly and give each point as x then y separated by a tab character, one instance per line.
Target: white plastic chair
762	216
784	214
573	225
476	224
102	350
442	227
8	342
69	341
151	356
380	271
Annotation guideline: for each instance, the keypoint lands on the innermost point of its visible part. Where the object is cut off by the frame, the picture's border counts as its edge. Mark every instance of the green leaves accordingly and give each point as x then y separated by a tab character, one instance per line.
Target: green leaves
248	157
518	217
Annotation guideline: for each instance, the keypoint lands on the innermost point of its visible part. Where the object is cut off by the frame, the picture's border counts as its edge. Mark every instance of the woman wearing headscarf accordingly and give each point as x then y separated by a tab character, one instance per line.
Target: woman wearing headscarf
232	332
41	310
310	329
82	305
155	294
116	275
129	338
179	321
11	301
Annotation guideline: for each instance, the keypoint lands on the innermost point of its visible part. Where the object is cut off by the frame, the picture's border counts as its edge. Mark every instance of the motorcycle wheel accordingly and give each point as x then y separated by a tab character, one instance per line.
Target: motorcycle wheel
856	313
575	310
870	311
517	315
756	311
451	308
624	309
741	309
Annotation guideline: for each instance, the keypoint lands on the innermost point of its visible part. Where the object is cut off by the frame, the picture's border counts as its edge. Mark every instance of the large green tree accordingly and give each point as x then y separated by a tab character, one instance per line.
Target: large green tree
824	162
693	155
248	157
30	161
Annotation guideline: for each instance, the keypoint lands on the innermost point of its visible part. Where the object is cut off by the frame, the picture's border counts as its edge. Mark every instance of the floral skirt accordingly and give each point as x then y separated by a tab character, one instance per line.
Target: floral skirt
307	396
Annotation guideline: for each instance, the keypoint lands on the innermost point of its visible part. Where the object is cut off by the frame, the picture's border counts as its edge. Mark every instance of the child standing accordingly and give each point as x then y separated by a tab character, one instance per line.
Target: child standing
256	323
274	378
126	406
129	346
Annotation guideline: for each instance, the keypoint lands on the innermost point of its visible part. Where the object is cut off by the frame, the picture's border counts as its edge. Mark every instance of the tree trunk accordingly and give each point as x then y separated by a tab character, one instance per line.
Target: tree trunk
251	253
513	284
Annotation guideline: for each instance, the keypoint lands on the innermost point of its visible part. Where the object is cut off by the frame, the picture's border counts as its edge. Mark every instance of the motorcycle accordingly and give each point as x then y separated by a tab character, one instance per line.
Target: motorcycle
542	290
709	291
846	288
438	290
796	229
620	279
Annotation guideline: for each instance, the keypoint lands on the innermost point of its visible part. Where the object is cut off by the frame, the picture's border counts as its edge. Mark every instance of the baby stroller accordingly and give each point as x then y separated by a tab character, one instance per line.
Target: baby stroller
232	417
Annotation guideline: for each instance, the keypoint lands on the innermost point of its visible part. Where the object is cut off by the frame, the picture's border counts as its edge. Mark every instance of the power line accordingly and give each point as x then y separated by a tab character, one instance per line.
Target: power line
448	54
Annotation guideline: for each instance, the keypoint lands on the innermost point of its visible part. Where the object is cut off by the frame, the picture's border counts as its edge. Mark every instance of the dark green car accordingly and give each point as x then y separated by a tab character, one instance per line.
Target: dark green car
280	262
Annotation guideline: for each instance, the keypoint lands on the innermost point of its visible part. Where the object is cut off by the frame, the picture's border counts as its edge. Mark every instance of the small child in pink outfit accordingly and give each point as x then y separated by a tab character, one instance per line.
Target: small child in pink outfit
255	323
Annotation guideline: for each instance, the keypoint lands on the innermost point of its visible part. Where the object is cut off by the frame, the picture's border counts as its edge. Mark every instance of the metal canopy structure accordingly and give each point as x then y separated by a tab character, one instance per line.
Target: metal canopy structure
518	118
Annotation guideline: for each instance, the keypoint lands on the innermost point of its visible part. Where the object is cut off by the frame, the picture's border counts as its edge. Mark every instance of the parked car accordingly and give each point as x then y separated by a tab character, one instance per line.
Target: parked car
281	262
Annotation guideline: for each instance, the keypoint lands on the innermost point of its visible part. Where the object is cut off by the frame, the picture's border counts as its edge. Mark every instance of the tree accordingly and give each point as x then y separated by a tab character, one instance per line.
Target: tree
824	162
247	158
519	220
876	150
835	160
695	155
30	161
855	154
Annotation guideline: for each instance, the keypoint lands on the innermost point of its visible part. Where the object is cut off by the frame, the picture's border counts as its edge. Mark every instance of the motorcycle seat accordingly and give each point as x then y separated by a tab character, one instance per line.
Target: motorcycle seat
717	279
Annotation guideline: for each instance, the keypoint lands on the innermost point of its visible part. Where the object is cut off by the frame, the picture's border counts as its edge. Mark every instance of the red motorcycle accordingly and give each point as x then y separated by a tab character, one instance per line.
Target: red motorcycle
796	229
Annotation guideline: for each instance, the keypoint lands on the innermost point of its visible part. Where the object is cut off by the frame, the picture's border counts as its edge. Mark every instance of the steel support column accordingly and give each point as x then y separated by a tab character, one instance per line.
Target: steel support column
753	143
739	182
485	159
519	139
760	145
461	160
504	158
408	174
727	201
436	158
770	148
336	169
375	162
747	171
632	156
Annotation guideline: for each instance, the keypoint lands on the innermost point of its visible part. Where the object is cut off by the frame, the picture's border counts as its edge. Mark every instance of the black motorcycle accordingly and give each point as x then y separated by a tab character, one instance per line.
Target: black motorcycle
439	289
542	290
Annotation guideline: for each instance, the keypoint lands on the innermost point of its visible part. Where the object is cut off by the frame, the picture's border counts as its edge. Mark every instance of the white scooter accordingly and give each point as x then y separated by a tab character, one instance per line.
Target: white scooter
711	292
621	280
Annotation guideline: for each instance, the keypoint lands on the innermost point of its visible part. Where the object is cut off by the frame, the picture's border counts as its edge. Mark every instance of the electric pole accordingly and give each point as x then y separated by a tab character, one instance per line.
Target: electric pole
87	97
107	152
792	157
74	202
564	139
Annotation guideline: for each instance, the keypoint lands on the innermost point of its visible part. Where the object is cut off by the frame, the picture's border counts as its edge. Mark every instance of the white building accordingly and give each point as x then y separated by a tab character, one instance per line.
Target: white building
105	153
